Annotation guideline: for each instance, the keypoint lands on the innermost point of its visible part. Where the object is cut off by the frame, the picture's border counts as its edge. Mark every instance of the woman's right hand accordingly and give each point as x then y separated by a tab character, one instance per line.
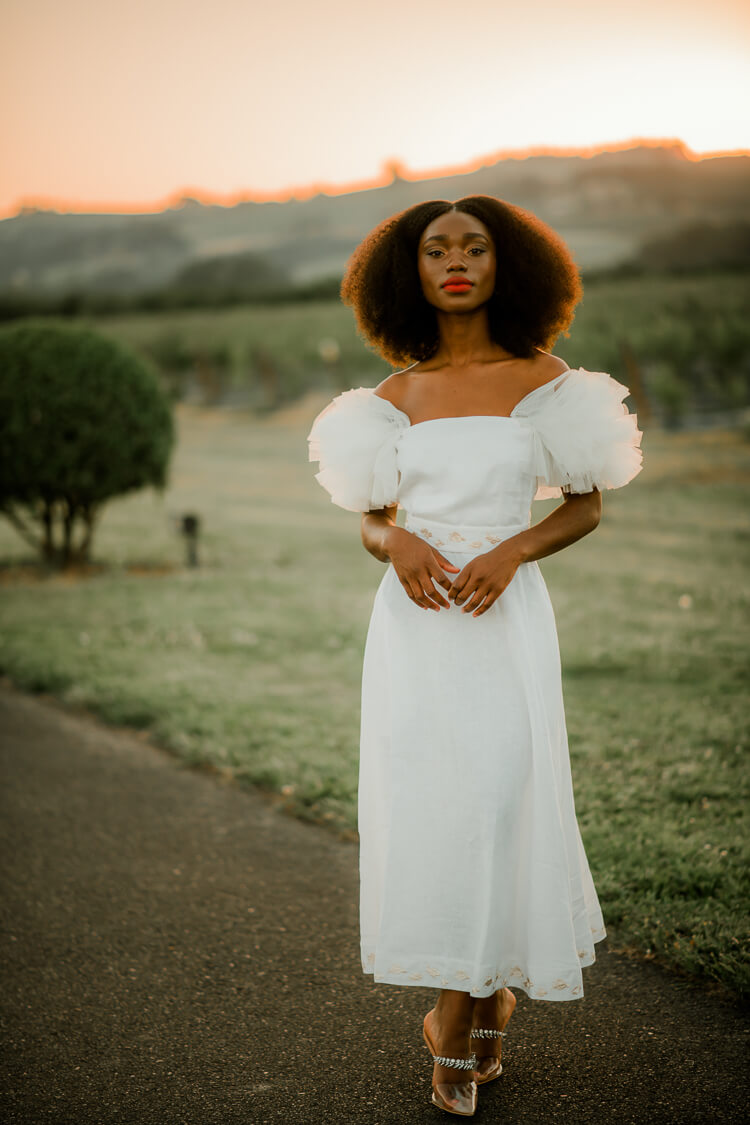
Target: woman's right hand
419	567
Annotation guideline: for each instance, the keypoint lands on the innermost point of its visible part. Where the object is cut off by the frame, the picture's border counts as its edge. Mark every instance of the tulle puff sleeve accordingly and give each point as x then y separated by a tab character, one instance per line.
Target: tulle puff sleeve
355	440
584	435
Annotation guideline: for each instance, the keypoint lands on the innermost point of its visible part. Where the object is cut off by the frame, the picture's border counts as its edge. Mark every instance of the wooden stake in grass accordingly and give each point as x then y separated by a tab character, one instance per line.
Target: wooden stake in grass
190	526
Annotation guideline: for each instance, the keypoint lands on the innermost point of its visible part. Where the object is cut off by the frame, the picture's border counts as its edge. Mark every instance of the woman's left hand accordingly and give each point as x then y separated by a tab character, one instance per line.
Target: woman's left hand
482	581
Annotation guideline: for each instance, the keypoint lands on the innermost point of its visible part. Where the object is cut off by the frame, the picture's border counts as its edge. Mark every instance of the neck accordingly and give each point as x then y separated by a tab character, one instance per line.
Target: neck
465	340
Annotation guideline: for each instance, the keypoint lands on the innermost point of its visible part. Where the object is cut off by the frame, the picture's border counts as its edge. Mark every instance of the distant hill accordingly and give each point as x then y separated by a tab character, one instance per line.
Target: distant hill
608	207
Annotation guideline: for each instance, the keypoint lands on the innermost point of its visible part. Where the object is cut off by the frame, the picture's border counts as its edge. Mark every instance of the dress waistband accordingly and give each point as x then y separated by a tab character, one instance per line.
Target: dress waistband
463	538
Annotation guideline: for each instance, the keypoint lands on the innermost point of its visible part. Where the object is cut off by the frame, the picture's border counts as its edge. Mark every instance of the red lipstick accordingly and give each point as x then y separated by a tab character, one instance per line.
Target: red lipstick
458	285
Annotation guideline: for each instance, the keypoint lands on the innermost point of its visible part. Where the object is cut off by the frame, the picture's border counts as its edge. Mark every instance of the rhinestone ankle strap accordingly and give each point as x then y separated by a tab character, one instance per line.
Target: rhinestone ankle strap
484	1033
460	1064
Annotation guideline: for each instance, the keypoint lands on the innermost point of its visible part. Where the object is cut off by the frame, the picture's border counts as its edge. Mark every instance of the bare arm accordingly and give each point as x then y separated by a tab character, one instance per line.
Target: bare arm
418	565
375	529
483	580
570	521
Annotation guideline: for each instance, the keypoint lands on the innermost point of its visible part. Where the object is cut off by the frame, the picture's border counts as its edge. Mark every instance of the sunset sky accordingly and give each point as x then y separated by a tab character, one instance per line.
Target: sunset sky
125	104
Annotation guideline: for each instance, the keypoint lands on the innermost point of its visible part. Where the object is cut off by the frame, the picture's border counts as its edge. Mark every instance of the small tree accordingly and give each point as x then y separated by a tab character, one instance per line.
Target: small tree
81	420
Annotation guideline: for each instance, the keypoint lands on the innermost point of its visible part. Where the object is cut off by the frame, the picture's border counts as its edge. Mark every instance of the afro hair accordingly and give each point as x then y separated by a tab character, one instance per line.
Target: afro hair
537	284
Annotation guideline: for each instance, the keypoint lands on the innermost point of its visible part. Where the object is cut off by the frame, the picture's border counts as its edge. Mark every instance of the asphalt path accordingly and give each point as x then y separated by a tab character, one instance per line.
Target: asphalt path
178	951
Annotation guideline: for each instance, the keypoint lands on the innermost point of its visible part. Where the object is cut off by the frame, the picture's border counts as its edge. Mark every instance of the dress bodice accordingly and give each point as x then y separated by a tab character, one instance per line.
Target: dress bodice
573	433
474	470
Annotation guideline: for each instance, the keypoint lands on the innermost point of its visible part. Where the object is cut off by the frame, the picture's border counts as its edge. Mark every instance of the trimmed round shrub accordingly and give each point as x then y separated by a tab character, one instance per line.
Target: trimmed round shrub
82	419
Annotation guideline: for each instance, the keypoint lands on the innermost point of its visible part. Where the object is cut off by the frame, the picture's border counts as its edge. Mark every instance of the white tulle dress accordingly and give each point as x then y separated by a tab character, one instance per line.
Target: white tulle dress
472	871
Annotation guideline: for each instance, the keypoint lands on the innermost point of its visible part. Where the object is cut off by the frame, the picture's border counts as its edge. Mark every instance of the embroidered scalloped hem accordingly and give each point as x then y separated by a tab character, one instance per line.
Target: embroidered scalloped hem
566	986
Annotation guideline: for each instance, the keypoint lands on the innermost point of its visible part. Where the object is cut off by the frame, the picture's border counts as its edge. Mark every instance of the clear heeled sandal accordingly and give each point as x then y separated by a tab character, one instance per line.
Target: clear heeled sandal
496	1068
489	1066
453	1097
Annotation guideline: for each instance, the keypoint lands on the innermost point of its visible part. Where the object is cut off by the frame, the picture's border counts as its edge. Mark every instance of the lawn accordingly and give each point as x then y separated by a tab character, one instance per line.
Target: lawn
251	662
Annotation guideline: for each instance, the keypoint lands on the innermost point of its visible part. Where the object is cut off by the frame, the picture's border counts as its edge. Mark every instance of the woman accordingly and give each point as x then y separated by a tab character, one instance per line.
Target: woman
473	874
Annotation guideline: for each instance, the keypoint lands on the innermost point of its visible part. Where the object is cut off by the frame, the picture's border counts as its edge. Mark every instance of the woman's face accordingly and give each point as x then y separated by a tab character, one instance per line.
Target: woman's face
456	248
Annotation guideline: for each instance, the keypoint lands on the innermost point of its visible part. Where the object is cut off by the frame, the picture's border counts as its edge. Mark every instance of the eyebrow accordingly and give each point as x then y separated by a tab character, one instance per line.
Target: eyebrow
466	237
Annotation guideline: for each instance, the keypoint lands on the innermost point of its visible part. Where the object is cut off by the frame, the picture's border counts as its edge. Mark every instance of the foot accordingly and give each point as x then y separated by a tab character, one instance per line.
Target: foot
454	1088
492	1013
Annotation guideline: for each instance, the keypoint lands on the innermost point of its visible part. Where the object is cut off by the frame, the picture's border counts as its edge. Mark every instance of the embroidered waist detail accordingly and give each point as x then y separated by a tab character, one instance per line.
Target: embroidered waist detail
462	537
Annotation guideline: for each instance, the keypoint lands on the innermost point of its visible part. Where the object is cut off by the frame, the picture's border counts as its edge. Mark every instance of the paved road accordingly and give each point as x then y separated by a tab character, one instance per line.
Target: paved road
179	952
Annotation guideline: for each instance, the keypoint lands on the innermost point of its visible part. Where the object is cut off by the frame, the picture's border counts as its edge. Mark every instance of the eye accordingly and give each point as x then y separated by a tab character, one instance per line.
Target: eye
436	250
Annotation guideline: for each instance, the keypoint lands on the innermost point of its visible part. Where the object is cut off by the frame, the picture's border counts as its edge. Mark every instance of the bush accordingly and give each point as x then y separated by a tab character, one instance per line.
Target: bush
82	419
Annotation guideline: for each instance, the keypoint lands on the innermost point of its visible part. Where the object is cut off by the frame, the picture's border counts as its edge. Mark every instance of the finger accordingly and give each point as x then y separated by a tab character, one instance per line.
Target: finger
435	599
417	595
458	584
424	583
408	590
435	595
441	579
444	562
461	591
474	601
486	604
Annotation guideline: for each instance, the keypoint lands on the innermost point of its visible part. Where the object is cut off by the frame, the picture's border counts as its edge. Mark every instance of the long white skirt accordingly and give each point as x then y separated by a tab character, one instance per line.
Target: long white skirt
472	871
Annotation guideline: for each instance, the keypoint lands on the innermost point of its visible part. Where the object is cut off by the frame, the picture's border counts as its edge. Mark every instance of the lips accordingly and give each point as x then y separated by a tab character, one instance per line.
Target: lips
458	284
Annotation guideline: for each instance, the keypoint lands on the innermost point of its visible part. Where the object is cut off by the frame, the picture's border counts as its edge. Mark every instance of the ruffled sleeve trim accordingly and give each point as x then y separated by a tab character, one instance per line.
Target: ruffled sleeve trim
355	440
584	435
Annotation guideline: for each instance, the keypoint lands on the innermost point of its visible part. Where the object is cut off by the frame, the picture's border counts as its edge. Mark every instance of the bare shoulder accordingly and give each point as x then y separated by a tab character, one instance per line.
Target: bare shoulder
548	366
393	388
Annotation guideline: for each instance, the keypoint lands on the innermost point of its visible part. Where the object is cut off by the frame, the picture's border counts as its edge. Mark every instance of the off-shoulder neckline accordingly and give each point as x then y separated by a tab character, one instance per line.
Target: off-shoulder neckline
473	417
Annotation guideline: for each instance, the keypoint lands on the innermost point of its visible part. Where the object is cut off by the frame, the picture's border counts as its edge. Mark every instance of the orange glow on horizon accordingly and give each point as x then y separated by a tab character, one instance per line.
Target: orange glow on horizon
48	204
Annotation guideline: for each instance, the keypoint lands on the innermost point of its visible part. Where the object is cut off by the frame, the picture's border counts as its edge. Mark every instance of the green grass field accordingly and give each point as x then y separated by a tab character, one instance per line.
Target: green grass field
252	662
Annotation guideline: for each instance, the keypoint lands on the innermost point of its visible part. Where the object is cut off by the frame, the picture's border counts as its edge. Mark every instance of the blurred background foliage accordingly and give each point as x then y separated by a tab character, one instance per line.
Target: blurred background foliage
681	343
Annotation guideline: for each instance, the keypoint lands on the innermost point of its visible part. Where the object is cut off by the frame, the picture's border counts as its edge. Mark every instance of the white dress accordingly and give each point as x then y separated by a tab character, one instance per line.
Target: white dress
472	871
